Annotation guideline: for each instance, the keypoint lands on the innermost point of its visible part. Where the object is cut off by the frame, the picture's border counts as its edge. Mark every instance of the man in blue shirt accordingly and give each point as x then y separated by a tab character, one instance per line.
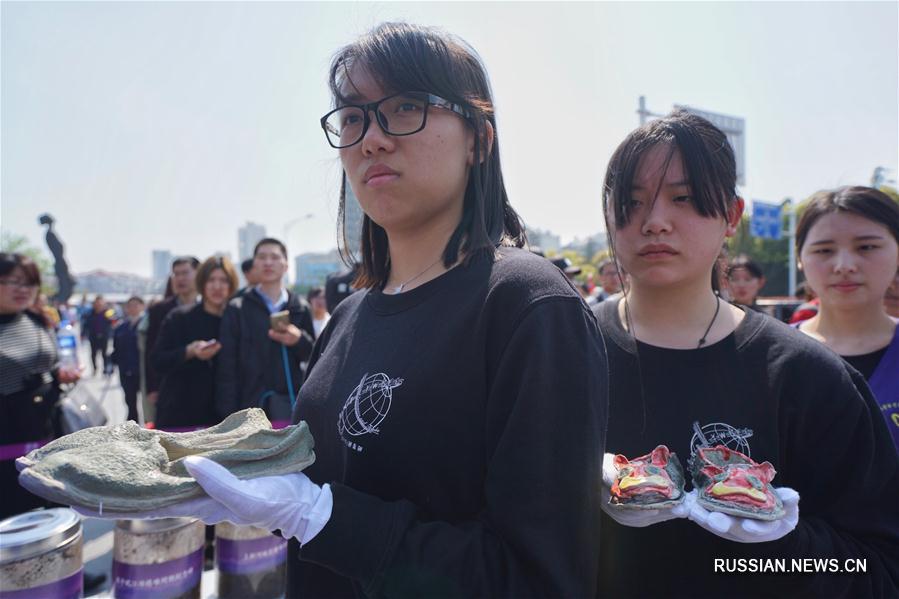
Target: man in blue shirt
259	366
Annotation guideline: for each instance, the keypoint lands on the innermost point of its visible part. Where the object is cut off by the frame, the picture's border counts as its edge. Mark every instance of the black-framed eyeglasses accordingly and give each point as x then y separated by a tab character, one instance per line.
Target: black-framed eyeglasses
404	113
18	284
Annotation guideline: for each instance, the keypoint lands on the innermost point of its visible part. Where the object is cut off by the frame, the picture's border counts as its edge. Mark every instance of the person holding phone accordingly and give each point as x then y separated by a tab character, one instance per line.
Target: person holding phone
185	355
266	335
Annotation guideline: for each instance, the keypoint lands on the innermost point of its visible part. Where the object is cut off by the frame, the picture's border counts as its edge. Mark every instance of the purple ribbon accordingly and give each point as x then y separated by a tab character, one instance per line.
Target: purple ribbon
276	424
70	587
157	581
182	429
250	555
17	450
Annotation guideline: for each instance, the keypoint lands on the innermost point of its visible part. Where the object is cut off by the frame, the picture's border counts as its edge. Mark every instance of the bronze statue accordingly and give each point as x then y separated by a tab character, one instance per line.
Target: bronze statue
65	281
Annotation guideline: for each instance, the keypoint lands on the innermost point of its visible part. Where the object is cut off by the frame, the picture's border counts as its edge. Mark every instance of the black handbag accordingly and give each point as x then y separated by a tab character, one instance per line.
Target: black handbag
277	406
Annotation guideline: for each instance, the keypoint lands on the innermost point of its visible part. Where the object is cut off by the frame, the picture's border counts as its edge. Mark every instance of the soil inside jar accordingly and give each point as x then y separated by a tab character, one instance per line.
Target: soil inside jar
164	558
42	569
268	584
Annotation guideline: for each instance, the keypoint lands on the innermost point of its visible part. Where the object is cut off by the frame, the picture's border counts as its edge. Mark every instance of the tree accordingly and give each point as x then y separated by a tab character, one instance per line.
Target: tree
771	254
890	191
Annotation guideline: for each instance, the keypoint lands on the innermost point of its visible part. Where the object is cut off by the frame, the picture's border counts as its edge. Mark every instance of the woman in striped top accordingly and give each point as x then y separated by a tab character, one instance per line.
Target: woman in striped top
29	385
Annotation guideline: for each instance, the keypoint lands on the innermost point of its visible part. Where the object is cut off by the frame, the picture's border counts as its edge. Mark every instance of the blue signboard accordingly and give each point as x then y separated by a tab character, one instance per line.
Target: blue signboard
765	222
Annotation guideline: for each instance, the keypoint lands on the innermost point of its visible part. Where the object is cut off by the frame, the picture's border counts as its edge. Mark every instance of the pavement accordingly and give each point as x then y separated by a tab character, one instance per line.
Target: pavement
98	534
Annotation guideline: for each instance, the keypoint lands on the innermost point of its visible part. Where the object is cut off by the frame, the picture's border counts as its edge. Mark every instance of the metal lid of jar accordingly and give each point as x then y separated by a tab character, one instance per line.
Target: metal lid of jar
38	532
142	527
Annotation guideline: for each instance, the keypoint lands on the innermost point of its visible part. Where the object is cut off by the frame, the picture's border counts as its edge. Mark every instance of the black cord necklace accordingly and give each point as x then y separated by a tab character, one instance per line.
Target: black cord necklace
714	318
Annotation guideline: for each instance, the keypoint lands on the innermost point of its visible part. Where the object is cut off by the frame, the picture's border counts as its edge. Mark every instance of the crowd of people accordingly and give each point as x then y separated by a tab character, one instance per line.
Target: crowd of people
466	400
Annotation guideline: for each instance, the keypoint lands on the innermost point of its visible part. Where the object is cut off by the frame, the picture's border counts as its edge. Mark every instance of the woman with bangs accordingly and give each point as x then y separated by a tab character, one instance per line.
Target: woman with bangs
847	241
458	400
185	355
745	279
689	370
30	377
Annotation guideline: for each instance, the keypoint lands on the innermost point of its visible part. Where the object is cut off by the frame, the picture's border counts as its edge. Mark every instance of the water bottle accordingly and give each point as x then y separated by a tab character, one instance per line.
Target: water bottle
67	343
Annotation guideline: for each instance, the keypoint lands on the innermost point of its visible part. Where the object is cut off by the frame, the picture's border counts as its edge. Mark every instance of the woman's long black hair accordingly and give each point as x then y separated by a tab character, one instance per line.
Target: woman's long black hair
709	165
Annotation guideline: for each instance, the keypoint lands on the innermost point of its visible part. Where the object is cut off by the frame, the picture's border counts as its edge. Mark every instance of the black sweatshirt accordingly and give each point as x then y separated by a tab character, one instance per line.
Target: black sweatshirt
771	392
461	426
156	313
187	387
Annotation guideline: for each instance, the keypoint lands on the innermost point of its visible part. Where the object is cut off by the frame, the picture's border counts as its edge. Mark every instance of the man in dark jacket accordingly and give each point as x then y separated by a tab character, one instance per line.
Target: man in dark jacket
125	354
339	286
184	272
97	327
259	366
249	274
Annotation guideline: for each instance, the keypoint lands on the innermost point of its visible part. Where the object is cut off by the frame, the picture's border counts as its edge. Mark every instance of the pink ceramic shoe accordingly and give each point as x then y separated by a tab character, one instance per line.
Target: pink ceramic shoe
729	482
652	481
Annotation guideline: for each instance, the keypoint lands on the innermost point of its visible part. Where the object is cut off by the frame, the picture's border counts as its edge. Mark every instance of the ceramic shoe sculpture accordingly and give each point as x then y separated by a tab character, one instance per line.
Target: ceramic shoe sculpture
125	468
650	482
729	482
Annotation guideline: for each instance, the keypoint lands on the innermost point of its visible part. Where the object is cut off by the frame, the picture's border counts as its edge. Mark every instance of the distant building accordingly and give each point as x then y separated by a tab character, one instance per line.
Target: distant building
313	269
162	261
545	240
101	281
247	238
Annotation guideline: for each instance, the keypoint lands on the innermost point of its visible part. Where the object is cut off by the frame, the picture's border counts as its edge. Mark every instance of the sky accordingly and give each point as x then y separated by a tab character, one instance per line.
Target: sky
168	125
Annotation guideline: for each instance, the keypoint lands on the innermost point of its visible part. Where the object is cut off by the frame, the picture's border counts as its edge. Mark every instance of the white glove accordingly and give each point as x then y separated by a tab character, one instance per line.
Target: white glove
635	517
290	503
749	530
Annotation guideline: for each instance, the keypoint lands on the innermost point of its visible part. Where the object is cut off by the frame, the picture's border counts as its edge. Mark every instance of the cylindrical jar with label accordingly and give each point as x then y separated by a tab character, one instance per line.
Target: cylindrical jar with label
158	559
251	562
40	555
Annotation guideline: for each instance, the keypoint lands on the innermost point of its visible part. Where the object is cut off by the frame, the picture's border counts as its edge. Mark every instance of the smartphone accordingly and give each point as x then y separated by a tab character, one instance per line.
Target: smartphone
209	343
280	320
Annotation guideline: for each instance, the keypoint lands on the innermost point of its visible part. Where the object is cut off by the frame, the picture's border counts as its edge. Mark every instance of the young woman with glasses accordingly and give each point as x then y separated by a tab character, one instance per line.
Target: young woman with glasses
689	370
458	401
30	375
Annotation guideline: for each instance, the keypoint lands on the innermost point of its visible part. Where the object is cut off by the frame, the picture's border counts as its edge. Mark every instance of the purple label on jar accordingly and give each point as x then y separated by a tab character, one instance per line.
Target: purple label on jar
157	581
70	587
250	555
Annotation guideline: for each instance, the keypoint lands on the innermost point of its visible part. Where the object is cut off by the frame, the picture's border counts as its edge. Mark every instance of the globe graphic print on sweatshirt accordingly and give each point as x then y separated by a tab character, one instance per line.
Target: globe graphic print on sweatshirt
366	407
720	433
